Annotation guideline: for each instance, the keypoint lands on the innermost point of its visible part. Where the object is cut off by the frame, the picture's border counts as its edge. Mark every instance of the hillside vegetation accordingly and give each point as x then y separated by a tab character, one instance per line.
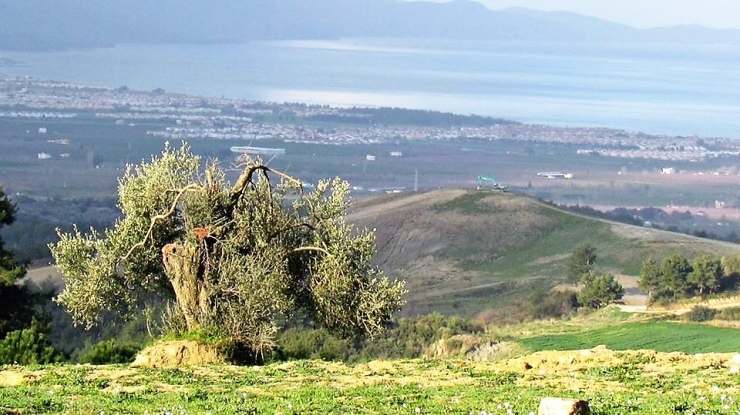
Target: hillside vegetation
462	252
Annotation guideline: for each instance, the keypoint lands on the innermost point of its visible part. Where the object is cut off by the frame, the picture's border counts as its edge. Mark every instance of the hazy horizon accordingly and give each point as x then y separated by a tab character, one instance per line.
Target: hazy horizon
641	14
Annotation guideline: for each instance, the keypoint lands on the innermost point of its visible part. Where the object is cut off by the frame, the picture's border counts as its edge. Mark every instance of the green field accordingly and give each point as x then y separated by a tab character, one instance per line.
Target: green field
610	385
660	336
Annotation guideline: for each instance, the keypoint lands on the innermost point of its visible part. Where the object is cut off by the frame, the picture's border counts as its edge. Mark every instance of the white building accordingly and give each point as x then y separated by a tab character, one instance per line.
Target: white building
258	151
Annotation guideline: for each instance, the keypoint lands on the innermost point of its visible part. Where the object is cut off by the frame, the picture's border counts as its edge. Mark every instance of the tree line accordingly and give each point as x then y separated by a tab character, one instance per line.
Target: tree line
676	277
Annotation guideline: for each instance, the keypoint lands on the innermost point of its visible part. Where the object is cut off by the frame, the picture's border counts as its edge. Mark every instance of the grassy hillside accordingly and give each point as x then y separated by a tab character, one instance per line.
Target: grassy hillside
466	251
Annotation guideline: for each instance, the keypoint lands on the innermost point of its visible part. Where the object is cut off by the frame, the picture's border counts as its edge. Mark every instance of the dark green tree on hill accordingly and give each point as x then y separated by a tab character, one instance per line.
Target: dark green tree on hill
22	335
232	259
650	279
731	266
10	271
675	272
676	277
581	262
600	290
17	304
706	274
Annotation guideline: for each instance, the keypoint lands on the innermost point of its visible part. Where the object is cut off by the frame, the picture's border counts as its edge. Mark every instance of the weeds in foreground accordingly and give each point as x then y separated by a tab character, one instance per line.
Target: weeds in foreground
628	384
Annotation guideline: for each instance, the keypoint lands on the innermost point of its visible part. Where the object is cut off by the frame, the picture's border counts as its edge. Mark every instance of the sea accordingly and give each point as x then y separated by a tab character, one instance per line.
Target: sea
659	89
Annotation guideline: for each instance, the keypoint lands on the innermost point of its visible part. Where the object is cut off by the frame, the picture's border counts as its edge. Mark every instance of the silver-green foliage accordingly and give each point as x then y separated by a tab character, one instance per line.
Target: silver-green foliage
233	257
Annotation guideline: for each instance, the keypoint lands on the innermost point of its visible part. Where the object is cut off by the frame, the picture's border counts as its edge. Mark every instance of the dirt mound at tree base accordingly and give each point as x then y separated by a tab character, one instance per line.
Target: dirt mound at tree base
179	353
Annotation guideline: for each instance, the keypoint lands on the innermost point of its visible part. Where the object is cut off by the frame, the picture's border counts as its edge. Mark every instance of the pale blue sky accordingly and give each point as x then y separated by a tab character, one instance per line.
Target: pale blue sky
641	13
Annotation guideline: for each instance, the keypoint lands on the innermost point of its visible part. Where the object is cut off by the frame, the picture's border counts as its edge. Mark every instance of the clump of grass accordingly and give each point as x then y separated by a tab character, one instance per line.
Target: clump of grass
700	314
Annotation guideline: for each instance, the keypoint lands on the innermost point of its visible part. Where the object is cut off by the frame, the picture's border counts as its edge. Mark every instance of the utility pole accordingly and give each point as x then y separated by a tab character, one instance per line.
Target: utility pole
416	180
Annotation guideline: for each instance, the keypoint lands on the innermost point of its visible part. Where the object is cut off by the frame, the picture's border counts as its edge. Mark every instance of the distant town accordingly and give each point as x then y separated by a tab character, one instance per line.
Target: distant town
183	117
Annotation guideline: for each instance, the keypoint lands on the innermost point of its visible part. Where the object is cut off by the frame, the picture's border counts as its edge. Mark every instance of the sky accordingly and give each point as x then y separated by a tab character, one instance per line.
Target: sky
641	13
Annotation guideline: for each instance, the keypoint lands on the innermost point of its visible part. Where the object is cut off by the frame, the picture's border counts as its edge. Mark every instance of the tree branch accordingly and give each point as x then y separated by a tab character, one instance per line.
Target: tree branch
245	179
180	192
312	248
293	226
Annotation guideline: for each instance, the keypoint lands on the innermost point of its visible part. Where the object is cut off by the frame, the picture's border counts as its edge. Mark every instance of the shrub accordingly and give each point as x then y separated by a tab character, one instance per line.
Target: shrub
729	314
298	343
412	336
29	346
700	313
109	352
553	304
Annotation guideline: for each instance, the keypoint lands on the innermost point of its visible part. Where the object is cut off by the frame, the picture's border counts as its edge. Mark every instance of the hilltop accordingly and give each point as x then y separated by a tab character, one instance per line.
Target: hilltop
465	251
34	24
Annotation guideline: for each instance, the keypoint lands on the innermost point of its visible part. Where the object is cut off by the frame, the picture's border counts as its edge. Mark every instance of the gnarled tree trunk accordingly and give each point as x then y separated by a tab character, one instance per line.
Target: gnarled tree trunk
182	264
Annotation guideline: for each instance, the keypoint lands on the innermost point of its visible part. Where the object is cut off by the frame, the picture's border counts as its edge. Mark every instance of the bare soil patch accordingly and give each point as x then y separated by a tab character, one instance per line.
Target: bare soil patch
179	353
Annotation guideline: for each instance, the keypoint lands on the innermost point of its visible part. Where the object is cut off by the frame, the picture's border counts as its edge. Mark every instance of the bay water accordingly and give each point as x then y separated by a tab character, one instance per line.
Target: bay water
660	89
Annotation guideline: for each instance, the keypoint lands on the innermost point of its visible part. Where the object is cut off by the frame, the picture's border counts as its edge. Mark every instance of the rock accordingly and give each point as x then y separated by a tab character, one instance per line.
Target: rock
560	406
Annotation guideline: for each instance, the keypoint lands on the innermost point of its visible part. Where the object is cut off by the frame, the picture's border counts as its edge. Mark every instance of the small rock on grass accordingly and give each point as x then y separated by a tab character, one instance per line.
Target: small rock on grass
561	406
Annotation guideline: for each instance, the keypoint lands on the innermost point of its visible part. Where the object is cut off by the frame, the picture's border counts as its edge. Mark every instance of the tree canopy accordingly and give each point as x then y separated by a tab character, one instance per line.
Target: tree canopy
650	278
230	259
600	290
581	262
677	277
10	270
18	306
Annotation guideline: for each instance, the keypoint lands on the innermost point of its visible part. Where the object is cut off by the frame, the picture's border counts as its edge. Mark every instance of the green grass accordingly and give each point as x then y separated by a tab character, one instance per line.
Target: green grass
659	336
394	387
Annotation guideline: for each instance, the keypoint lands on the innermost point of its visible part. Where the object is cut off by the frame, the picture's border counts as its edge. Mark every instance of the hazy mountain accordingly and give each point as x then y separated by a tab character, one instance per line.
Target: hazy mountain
59	24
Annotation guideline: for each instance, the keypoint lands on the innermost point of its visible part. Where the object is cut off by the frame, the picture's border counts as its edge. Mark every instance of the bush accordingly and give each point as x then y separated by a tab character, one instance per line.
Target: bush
553	304
729	314
412	336
109	352
700	313
29	346
297	344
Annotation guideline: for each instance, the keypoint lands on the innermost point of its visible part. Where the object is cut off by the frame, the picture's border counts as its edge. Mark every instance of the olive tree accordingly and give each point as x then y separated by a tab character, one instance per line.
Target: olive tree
232	259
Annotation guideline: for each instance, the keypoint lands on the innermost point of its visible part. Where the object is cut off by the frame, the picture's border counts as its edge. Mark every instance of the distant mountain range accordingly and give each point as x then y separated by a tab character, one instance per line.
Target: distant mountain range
64	24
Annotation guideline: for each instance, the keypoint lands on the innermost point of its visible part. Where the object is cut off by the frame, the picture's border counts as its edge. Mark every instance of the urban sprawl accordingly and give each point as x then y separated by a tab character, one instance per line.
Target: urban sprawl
182	117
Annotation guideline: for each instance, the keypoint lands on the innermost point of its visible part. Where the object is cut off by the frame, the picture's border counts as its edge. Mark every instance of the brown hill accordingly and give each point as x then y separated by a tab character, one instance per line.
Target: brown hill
466	251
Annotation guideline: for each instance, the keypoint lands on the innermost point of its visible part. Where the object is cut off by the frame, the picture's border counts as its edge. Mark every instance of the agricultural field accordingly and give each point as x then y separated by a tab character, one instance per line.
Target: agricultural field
661	336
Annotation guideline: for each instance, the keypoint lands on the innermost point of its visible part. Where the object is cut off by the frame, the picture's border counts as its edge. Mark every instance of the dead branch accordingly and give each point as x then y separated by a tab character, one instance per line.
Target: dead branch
312	248
170	212
246	179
